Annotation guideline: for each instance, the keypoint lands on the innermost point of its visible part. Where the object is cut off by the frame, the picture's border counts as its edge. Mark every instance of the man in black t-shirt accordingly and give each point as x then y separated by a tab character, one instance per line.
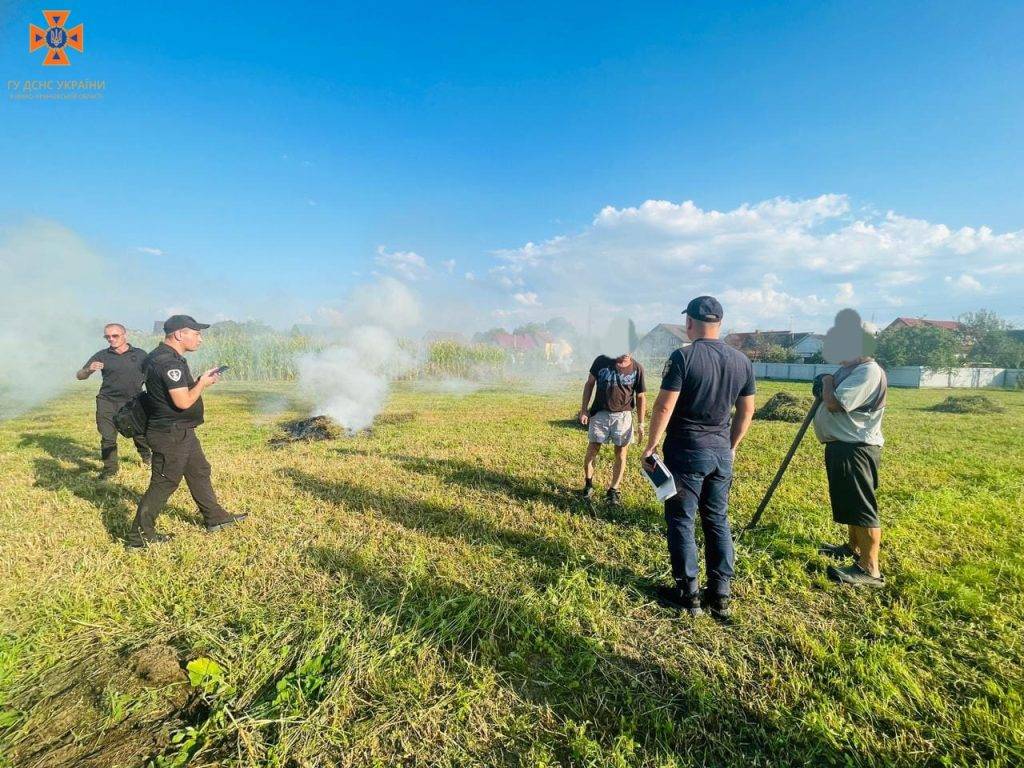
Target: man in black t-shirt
120	366
174	407
618	385
701	385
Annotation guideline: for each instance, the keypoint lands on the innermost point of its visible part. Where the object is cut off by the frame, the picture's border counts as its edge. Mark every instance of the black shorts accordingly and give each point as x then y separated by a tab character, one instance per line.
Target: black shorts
852	470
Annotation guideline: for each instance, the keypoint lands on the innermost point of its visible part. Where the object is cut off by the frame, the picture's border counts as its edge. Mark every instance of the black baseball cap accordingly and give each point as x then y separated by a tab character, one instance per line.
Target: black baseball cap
705	308
178	322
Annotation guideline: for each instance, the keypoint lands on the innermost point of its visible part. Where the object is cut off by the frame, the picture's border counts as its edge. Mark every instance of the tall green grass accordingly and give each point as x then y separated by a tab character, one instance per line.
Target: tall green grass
432	593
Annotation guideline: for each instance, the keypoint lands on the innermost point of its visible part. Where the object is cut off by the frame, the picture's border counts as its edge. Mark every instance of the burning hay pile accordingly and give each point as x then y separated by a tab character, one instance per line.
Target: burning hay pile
317	428
785	406
310	430
967	404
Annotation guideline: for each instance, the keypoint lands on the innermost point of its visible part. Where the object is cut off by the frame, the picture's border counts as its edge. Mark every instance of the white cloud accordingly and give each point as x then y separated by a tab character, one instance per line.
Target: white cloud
149	251
449	265
406	264
964	283
528	299
470	277
768	262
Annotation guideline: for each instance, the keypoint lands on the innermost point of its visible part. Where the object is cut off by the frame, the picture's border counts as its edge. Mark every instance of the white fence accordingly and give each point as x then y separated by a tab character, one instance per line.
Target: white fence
905	376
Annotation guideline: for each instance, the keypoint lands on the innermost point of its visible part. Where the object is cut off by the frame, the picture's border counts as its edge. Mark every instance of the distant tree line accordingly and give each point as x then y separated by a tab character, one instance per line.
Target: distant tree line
982	340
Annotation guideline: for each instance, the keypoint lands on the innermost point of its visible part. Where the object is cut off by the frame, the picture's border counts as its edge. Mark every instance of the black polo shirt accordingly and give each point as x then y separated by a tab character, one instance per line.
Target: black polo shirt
709	376
167	370
122	373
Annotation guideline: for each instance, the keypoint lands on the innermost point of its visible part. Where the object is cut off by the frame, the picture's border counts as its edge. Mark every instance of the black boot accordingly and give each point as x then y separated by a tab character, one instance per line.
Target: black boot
674	597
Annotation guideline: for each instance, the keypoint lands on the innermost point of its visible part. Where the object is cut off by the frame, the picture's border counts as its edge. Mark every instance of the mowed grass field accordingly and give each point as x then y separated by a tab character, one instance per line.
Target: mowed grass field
431	593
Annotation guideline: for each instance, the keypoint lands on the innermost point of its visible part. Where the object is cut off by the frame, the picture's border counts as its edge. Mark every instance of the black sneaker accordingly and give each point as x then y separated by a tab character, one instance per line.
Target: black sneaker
837	551
613	497
147	461
232	519
146	541
855	576
587	494
719	607
674	597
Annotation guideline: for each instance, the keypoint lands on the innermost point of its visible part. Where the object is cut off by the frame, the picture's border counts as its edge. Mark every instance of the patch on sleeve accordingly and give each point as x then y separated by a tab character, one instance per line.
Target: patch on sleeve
174	374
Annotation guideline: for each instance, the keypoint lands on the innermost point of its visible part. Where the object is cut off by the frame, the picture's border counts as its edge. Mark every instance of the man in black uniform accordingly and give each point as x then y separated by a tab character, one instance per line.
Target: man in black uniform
120	365
174	406
701	385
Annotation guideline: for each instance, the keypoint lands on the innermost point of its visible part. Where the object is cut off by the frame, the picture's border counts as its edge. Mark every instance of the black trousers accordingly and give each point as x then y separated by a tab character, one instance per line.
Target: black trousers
105	410
176	454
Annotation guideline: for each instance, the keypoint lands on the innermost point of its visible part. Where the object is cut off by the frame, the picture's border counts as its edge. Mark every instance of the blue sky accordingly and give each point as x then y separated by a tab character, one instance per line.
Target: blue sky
285	156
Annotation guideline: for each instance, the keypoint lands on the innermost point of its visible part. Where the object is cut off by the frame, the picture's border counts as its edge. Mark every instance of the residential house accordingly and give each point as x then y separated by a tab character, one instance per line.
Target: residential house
799	346
654	349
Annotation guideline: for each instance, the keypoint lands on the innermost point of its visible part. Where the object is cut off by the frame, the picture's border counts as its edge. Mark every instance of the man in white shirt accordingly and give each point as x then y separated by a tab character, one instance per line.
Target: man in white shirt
849	423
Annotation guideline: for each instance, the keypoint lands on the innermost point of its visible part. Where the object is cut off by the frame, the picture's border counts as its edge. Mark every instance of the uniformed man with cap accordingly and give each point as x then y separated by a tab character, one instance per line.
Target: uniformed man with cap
702	386
174	406
120	366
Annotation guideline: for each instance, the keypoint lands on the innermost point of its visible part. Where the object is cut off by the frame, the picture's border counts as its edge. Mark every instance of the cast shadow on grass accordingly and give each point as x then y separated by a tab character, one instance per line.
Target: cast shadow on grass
116	504
581	679
475	476
571	424
780	546
456	522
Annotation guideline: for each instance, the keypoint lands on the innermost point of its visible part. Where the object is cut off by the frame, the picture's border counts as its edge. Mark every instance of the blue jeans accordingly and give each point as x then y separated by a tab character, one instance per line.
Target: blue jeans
703	477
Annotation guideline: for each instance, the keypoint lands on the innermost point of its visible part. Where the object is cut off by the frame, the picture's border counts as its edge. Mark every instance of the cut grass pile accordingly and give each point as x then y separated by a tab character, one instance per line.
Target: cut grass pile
968	404
785	406
311	429
433	593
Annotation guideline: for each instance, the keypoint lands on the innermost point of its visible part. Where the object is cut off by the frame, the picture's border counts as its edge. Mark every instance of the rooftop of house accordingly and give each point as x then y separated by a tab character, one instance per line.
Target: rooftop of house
918	322
751	339
679	331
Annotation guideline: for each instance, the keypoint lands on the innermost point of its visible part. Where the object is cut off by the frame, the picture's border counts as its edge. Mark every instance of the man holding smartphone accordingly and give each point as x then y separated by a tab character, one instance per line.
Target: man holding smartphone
174	407
701	385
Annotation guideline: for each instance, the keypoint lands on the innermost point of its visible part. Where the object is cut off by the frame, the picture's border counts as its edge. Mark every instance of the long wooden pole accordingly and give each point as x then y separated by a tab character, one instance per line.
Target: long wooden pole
782	469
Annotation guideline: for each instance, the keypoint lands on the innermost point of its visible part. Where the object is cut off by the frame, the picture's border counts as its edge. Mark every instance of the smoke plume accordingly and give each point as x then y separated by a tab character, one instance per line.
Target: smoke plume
350	380
53	288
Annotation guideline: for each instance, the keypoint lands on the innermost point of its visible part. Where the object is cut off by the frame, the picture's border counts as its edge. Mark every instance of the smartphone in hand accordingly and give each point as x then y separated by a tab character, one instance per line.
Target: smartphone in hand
219	370
657	471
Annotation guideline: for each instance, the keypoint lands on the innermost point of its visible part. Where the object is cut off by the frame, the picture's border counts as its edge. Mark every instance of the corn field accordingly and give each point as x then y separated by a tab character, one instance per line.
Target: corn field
251	357
449	359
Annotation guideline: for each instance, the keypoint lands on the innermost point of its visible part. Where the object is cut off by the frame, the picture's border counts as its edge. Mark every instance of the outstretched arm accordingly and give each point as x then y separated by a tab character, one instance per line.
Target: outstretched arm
86	370
185	397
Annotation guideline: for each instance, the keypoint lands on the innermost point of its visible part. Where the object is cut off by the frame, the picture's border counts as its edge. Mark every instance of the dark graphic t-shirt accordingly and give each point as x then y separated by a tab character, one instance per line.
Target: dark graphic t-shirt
616	391
167	370
122	373
709	376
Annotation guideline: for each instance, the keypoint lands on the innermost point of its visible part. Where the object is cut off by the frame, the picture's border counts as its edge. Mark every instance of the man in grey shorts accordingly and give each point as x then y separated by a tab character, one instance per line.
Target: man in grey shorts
619	386
849	424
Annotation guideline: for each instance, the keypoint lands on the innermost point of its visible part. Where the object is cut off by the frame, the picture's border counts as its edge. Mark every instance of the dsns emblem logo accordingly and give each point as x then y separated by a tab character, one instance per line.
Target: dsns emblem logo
56	39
